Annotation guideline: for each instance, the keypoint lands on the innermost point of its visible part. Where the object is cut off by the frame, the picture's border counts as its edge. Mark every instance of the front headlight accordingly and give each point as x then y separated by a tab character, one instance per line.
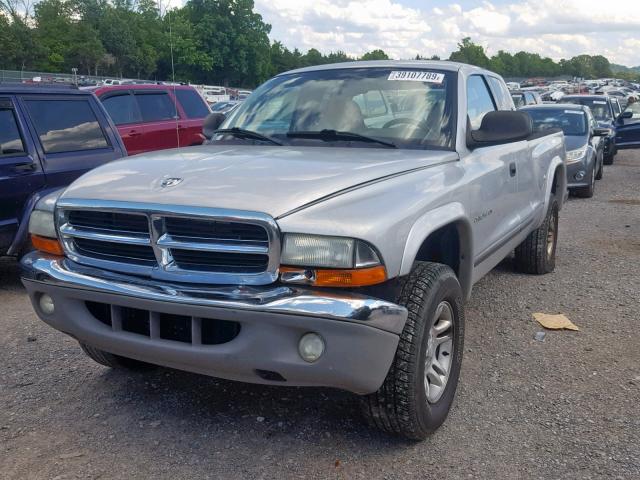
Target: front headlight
329	261
576	155
42	223
327	252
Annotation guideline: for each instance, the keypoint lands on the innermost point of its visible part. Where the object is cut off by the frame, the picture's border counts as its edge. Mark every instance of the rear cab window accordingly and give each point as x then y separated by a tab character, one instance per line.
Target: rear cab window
192	103
66	125
479	100
11	141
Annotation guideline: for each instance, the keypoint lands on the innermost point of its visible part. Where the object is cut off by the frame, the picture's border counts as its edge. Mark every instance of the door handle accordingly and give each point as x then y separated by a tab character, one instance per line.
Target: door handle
24	167
134	133
512	169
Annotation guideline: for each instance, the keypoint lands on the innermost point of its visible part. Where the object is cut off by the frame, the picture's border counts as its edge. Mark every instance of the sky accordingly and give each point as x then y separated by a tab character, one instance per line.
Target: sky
404	28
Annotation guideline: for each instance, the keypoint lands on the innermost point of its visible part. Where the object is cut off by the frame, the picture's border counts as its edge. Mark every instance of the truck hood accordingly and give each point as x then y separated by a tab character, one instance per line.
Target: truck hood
269	179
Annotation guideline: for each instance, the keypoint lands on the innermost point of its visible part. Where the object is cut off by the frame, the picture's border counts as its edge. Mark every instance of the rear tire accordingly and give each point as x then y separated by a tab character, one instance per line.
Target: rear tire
410	402
114	361
537	254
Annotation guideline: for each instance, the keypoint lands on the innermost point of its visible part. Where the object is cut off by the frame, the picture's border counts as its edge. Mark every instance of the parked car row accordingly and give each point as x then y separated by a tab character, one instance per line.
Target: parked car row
595	127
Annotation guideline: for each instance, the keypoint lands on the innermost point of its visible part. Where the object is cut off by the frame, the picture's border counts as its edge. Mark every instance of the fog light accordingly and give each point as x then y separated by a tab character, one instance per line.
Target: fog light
580	175
46	304
311	347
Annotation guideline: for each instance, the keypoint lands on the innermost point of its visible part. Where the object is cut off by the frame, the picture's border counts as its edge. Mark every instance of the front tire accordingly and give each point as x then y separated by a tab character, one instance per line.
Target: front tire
600	173
589	190
419	389
537	254
114	361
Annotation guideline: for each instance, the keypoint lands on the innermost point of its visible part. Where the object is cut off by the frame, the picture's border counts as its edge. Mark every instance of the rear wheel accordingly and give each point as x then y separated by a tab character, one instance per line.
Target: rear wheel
418	392
537	254
114	361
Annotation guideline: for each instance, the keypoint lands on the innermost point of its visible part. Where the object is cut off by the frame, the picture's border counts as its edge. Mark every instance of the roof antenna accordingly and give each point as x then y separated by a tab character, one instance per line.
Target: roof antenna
173	70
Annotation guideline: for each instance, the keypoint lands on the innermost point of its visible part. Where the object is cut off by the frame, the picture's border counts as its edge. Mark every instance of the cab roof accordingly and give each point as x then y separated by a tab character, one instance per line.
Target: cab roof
421	64
40	88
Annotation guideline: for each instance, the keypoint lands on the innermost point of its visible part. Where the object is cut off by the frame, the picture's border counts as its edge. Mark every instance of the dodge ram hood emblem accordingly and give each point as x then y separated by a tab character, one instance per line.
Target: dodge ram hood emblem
170	182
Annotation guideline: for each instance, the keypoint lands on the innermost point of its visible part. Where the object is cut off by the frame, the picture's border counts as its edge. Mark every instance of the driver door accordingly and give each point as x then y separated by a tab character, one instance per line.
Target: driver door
628	129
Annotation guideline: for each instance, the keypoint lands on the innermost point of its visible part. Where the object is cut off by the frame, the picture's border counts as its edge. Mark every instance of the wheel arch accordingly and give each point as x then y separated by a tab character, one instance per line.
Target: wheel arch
442	235
556	184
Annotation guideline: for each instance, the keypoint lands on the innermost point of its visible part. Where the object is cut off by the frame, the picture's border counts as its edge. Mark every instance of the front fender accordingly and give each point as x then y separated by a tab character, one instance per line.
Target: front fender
23	230
431	221
556	164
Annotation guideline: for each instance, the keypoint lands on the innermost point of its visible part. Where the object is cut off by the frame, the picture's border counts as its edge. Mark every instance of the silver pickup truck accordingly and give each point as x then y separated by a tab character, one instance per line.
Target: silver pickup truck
328	234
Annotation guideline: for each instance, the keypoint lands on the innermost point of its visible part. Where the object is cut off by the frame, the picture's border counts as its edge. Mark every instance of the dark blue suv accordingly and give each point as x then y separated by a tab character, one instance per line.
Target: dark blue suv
49	136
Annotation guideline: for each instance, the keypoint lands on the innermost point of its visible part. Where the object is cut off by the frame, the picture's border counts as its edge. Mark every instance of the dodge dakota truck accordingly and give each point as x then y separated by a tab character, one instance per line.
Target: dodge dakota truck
328	235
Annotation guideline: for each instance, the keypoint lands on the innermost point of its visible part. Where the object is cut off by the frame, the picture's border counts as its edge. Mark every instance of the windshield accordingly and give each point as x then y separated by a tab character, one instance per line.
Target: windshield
408	108
599	108
571	122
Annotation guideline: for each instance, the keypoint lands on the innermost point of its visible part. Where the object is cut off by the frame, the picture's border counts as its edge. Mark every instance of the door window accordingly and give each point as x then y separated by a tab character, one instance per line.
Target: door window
192	103
10	139
122	108
66	125
155	106
479	101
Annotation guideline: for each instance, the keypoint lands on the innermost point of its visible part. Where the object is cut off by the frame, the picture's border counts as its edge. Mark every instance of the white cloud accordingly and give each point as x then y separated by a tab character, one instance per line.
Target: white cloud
555	28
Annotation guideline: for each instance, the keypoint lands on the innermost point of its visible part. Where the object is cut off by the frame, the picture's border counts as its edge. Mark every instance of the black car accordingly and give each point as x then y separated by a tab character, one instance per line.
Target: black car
585	148
604	109
524	98
49	136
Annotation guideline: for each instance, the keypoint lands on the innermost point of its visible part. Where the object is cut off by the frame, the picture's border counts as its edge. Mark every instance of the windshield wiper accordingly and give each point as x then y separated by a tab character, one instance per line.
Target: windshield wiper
335	135
242	133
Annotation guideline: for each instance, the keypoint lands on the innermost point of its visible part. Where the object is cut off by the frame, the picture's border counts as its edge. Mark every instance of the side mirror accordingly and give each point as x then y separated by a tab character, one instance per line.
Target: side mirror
502	126
627	114
211	123
601	132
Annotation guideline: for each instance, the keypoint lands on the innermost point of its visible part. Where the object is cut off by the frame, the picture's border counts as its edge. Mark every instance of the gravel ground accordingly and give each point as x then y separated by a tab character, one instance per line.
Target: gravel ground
564	407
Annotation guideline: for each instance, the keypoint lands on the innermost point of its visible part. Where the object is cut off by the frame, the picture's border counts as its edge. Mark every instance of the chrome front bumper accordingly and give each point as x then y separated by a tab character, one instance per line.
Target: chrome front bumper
360	333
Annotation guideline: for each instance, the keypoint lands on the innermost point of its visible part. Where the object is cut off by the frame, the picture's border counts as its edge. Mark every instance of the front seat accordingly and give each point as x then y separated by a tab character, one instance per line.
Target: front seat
342	115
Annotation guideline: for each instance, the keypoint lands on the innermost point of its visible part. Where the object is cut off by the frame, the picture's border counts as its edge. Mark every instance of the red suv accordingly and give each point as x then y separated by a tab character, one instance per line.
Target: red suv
155	117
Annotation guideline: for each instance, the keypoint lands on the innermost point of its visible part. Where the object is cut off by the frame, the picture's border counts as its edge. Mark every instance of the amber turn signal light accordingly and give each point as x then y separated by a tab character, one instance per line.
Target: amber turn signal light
324	277
47	245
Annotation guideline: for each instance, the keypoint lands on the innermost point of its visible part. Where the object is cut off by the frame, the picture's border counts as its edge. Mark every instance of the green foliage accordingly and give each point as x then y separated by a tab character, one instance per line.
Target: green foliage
205	41
375	55
469	52
524	64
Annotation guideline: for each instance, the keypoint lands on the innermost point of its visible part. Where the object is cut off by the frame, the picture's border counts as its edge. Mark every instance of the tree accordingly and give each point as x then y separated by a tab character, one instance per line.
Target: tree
375	55
469	52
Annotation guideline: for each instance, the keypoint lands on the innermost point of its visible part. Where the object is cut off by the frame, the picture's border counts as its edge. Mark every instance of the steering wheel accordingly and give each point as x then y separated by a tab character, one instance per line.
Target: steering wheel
408	121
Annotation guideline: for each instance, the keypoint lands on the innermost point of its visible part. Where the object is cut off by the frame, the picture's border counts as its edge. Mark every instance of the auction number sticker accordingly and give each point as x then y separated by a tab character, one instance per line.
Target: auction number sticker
599	102
416	76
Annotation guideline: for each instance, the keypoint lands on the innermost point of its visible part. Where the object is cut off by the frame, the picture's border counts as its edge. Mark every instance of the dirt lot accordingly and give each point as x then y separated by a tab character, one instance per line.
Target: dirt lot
564	407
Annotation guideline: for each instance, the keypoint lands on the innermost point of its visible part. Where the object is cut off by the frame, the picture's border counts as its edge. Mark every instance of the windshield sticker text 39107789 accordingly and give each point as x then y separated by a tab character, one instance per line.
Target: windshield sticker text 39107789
416	76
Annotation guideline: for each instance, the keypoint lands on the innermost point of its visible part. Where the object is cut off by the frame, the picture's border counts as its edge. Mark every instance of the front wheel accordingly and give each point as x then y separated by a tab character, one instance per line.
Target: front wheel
600	173
418	392
589	190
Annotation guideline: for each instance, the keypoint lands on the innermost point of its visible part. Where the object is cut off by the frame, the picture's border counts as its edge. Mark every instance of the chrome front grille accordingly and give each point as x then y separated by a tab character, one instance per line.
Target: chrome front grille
183	244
